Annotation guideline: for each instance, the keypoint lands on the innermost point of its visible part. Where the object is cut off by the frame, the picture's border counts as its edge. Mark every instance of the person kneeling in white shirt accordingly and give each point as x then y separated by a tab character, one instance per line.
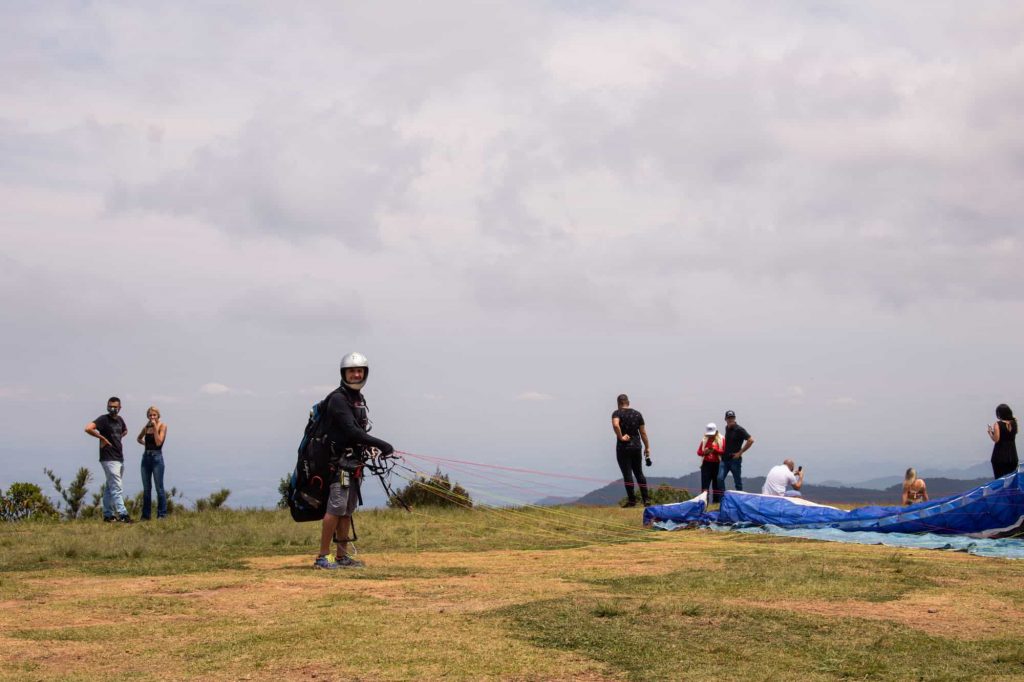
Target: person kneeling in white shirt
781	476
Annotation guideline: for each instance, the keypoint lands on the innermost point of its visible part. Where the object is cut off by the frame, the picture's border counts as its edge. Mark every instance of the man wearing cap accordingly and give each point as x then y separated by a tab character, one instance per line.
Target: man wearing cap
737	442
630	429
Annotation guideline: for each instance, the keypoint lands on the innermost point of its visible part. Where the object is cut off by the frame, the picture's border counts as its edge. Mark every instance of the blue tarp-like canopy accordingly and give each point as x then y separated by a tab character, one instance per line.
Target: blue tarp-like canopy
994	510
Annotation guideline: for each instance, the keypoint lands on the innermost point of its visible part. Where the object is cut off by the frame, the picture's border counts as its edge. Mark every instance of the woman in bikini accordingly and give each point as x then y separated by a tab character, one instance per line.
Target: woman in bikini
914	488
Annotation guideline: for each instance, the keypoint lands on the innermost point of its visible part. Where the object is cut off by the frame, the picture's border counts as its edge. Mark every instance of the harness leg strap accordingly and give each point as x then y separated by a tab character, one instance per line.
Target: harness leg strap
352	530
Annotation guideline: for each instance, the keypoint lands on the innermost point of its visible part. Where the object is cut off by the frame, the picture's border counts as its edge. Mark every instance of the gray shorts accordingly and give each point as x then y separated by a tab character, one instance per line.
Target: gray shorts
343	499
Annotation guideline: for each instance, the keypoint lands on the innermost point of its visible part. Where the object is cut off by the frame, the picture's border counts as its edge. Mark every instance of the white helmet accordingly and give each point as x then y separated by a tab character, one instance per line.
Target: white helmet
355	360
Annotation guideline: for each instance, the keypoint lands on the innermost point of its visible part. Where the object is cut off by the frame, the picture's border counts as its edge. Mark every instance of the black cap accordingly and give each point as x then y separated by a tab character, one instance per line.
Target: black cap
729	414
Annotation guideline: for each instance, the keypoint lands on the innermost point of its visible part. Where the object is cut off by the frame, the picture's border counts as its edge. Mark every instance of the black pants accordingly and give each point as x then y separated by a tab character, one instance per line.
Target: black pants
709	479
631	463
1001	467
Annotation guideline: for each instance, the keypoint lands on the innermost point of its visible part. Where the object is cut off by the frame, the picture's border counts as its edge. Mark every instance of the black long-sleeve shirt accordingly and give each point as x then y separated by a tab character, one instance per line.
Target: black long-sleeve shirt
345	426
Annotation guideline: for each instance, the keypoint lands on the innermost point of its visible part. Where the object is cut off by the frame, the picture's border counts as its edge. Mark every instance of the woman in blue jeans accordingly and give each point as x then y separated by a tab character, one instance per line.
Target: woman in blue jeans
152	437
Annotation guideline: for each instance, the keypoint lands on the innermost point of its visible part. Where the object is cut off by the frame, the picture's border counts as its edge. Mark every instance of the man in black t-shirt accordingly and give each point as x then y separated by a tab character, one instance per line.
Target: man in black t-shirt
737	442
110	429
630	430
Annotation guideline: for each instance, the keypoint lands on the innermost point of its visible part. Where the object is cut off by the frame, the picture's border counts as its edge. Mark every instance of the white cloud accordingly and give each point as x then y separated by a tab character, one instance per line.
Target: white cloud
534	396
793	394
843	401
341	167
15	393
25	395
214	388
312	306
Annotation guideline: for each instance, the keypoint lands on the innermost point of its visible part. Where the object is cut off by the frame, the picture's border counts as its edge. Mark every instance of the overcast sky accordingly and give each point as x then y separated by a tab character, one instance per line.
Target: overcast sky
807	212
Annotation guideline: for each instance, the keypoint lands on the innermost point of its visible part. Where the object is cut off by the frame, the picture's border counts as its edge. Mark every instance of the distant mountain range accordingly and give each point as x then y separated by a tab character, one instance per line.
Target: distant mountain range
980	470
938	486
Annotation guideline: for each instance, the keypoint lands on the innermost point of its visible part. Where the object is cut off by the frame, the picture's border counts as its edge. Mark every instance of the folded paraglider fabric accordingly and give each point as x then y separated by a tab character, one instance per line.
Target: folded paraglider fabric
993	510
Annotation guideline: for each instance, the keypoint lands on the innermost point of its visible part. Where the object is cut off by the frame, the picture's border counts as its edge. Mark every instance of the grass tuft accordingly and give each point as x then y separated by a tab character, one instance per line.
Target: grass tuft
607	610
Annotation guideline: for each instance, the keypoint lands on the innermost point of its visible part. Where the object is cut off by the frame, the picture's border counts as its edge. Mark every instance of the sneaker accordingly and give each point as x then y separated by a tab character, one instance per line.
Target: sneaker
348	562
325	563
631	503
646	505
124	519
109	519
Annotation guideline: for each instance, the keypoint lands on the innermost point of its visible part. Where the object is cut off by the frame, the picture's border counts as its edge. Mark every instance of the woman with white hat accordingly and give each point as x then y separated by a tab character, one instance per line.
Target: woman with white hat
710	452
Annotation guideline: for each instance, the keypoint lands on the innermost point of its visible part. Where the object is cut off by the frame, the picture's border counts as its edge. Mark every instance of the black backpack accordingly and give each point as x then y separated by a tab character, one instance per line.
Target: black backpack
310	483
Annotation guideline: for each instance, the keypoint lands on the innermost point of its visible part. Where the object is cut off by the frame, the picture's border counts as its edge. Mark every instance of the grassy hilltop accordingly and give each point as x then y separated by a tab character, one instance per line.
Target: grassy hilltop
575	593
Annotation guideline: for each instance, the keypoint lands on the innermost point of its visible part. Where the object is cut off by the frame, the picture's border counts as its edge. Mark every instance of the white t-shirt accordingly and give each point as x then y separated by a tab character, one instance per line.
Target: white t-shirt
777	479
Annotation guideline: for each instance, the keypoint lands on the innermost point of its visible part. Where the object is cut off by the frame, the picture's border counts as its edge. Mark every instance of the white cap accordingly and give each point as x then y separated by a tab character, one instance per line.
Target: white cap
711	429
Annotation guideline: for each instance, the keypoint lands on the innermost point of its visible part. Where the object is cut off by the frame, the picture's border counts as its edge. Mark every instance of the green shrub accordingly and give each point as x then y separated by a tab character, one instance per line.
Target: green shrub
134	505
214	501
173	506
436	491
665	494
93	509
25	501
282	489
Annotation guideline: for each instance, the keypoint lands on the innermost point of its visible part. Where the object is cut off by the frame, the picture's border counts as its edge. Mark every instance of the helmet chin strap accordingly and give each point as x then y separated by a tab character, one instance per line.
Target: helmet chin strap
355	387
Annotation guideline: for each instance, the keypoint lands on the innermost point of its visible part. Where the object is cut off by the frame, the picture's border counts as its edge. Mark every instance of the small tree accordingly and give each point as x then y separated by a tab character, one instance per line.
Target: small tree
74	493
282	489
173	506
25	501
92	510
435	491
214	501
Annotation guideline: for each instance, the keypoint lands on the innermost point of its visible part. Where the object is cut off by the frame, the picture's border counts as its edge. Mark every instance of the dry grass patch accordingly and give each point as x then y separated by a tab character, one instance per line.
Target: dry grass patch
690	601
974	617
395	627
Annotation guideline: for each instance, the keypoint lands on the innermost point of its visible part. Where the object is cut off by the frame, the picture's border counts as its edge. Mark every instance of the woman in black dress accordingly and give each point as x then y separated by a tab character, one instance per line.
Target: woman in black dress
1004	434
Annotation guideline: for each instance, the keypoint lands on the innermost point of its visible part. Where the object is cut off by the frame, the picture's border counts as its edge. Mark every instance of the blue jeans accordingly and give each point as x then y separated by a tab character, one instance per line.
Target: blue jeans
153	470
734	465
113	494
